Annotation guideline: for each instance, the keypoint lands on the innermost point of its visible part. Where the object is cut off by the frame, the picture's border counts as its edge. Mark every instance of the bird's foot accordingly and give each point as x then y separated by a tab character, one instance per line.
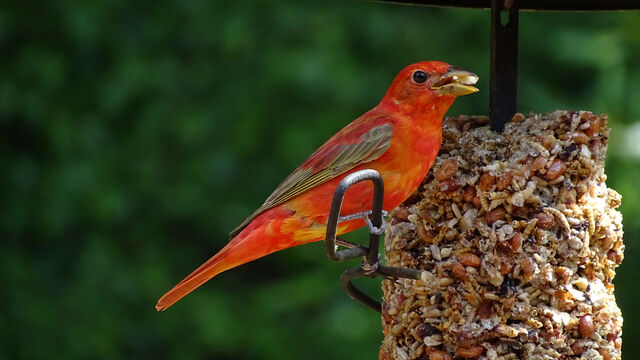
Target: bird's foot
365	215
375	230
370	269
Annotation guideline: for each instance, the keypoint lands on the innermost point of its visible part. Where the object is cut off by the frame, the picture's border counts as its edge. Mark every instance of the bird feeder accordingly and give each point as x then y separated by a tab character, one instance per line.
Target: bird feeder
509	247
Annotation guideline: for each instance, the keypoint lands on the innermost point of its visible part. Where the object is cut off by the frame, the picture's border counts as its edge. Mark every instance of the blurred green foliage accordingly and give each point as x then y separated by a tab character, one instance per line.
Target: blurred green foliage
135	135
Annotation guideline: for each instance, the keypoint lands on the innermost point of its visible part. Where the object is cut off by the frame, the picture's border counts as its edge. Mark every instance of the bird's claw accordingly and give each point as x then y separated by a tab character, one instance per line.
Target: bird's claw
370	269
373	229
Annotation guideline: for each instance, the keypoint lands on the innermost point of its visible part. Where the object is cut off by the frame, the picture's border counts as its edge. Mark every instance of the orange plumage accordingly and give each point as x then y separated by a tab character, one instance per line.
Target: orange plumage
399	138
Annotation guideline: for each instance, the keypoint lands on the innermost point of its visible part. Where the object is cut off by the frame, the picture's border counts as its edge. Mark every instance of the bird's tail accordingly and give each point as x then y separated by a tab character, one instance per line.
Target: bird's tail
253	242
206	271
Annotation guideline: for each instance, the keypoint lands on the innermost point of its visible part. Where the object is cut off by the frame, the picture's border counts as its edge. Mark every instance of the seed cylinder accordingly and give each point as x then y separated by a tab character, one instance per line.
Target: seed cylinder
518	238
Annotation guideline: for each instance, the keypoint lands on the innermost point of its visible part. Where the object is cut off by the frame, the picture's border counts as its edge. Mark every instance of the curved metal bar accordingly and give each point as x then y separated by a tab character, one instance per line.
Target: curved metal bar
334	214
371	266
377	218
384	271
355	293
396	272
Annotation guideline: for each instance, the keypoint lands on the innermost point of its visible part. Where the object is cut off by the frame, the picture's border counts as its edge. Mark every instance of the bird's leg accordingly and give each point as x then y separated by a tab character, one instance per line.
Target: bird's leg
375	230
365	216
370	269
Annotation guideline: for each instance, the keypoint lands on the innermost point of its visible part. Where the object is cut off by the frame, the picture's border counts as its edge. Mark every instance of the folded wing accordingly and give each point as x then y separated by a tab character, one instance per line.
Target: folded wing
360	142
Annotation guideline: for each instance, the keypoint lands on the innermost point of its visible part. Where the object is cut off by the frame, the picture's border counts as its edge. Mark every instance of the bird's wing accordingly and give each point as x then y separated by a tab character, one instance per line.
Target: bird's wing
362	141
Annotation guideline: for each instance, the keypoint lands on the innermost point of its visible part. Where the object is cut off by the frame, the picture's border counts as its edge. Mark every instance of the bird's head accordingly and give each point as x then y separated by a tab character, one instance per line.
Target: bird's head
429	83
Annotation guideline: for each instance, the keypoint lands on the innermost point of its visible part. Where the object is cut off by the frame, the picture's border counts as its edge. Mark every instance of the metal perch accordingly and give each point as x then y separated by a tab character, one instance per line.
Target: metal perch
374	218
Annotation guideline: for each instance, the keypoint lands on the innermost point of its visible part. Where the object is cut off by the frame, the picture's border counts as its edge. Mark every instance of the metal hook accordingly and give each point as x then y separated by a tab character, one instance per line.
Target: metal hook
375	221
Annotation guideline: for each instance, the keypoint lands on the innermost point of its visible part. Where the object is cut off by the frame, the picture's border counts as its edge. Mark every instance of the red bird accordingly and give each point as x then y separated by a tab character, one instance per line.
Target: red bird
399	138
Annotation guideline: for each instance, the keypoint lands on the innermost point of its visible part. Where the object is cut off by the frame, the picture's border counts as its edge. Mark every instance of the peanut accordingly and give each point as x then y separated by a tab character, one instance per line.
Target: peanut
486	181
605	354
562	274
426	235
538	163
449	185
516	241
447	170
468	193
581	138
469	259
469	351
504	181
545	221
439	355
556	169
528	267
586	327
458	271
496	214
402	213
518	117
506	267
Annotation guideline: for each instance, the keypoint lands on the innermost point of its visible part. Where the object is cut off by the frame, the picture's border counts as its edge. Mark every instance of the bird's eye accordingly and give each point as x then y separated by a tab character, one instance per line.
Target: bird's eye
420	76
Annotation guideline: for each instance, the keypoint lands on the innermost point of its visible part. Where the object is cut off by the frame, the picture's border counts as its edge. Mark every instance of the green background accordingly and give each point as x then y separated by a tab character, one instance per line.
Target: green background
135	135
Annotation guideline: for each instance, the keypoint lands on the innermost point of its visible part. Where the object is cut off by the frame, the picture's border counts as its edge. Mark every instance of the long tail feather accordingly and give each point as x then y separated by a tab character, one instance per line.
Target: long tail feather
212	267
262	237
272	231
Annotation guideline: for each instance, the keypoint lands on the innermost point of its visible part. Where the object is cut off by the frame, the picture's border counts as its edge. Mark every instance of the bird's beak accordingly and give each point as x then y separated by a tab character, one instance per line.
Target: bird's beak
456	82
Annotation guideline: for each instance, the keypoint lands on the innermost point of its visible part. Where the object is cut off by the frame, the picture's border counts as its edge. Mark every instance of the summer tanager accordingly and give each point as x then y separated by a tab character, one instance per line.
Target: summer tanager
399	138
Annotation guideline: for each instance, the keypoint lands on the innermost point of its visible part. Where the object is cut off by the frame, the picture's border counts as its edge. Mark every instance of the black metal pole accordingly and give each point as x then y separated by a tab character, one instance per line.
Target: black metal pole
503	94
